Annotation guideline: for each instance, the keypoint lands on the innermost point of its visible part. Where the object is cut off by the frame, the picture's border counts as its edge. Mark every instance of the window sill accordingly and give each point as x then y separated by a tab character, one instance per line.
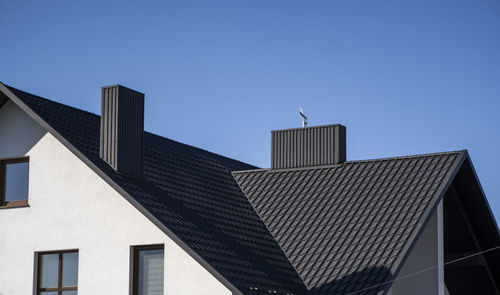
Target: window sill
14	204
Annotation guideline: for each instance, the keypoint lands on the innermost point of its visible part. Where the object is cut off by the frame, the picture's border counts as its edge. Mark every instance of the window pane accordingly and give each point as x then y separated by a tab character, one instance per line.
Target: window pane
70	270
16	181
73	292
48	293
150	272
49	266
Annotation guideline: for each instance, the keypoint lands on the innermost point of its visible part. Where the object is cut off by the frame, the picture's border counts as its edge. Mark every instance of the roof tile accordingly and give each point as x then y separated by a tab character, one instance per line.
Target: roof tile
343	227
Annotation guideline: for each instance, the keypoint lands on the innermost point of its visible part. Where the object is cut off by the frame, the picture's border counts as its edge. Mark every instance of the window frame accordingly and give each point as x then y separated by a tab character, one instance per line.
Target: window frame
3	175
60	288
134	264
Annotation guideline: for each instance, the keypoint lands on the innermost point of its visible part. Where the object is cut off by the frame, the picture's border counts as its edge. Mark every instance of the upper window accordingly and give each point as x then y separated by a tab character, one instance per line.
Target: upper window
58	273
14	182
147	270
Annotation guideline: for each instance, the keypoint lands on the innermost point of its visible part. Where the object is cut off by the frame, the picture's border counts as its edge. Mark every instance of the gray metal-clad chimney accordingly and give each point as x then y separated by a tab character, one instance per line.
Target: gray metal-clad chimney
308	146
122	130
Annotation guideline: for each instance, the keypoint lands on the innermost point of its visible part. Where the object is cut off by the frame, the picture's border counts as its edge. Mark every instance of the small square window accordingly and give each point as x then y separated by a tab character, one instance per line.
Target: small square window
57	273
14	182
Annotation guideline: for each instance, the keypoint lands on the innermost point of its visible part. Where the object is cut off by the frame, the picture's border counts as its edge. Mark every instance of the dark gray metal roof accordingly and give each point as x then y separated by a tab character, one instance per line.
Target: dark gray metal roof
337	229
187	192
348	227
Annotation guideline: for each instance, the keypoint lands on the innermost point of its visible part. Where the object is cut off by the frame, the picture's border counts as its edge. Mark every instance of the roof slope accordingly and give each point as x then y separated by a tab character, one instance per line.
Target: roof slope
193	194
347	227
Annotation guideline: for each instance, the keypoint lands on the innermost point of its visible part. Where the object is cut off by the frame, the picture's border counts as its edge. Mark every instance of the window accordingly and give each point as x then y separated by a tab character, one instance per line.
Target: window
147	267
14	182
57	273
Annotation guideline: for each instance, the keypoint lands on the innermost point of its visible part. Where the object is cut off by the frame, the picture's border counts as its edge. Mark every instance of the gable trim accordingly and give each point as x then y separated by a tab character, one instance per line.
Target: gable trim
121	191
399	263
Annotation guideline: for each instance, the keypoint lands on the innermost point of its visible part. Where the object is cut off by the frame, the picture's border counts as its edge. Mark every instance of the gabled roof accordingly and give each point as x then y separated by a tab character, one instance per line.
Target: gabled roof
348	227
187	192
338	229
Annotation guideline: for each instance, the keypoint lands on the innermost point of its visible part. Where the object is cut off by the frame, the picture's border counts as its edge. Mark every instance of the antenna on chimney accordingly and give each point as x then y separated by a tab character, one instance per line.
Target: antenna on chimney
304	118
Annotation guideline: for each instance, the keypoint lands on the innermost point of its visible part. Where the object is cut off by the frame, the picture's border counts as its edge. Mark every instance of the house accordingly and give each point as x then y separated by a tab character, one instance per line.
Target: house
95	205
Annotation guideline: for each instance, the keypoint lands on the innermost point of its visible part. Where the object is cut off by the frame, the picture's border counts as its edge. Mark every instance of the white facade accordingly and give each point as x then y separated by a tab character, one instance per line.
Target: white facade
71	207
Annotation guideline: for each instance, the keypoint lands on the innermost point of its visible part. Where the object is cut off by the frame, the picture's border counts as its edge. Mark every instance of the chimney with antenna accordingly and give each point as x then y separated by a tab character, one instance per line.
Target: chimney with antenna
308	146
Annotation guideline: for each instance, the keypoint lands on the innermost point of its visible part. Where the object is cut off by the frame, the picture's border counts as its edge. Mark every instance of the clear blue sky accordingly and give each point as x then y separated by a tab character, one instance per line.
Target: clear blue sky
405	77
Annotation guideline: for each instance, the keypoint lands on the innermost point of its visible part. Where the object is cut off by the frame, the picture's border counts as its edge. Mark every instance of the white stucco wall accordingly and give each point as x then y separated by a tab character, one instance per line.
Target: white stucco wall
70	207
422	272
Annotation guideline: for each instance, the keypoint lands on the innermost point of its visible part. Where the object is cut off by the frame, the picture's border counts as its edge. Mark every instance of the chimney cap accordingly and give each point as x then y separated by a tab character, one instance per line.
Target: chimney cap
308	127
123	87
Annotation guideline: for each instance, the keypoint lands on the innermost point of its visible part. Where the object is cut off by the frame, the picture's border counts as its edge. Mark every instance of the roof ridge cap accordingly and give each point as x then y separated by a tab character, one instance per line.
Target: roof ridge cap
409	156
350	162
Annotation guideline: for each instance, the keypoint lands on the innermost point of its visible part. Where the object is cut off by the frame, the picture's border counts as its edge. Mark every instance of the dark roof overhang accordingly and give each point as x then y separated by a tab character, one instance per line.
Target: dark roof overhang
470	230
3	98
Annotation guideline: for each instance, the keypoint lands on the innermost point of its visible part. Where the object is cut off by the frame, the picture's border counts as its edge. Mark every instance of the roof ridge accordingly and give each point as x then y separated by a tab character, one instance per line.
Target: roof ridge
145	132
411	156
352	162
